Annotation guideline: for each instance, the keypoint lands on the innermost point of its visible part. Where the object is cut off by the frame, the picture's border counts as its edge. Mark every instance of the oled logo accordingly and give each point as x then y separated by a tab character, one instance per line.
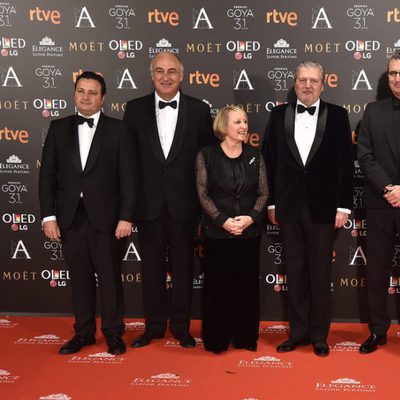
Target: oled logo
161	46
200	78
9	78
6	12
121	15
52	16
281	51
394	285
243	49
47	48
125	48
240	15
281	17
125	80
56	277
10	46
360	14
362	48
201	19
278	280
83	19
163	17
17	221
320	19
48	75
358	227
14	165
281	77
50	107
360	80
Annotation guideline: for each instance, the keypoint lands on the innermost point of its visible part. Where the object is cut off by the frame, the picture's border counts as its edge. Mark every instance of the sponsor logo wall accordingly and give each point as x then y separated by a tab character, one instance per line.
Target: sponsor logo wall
234	53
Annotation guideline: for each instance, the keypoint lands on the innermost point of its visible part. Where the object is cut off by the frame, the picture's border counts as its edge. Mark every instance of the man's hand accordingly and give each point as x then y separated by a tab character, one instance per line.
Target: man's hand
243	222
51	230
124	229
341	219
272	216
393	195
232	226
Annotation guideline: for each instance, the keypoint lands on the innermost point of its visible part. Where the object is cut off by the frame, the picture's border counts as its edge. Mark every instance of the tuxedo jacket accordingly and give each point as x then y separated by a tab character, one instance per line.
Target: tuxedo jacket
168	181
107	181
379	151
325	182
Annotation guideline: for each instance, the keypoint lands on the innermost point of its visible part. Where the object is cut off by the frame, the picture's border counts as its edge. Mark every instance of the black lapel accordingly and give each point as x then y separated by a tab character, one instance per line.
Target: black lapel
180	129
289	132
151	128
97	142
74	144
319	133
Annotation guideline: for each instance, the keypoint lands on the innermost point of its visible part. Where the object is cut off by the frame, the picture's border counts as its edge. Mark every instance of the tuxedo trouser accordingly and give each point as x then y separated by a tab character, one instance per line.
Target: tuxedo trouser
160	239
383	224
89	252
308	253
231	300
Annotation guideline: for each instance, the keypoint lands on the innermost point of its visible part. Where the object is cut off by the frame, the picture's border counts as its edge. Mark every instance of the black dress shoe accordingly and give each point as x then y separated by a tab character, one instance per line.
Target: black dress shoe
76	344
115	345
185	339
321	349
290	345
371	344
146	338
251	347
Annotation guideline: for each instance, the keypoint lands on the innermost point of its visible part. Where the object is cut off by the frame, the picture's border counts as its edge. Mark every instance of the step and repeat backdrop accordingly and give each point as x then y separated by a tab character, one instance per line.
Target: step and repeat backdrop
234	52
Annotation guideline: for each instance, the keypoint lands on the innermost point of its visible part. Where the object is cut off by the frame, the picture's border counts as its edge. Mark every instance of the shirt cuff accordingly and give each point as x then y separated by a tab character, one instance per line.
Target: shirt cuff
344	210
49	218
272	207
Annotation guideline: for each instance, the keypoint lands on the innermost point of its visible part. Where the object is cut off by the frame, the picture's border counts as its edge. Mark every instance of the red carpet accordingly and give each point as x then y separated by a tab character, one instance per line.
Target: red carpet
31	369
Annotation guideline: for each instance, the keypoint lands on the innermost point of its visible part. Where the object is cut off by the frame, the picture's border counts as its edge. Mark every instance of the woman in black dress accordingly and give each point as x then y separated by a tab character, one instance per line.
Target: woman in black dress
232	188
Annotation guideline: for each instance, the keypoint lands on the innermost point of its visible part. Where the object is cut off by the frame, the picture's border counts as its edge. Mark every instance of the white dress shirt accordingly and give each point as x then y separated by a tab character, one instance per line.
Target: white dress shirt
166	123
85	137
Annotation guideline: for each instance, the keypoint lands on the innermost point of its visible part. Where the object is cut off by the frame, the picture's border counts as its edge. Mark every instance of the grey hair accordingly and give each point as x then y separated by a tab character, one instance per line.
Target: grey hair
181	68
310	64
394	56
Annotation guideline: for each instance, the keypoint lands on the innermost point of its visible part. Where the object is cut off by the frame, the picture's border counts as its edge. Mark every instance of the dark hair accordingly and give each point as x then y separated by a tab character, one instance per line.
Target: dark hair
94	76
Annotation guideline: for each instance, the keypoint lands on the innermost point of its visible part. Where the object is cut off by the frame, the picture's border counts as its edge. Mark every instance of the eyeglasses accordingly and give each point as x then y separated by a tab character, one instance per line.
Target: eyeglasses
313	82
393	74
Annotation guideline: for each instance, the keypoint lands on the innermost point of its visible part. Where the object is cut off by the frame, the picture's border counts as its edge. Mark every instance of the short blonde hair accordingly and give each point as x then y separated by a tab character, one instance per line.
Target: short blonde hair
222	118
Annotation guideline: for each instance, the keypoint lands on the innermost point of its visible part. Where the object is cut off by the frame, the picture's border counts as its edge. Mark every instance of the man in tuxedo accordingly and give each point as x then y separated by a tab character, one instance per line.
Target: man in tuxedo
169	127
86	189
308	154
379	158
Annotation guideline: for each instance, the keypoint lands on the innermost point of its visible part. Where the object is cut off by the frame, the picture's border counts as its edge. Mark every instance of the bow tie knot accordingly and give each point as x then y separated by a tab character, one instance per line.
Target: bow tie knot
81	120
310	110
163	104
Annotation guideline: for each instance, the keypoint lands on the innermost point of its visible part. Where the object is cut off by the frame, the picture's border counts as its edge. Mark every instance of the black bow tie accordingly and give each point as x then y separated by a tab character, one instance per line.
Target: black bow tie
163	104
310	110
81	120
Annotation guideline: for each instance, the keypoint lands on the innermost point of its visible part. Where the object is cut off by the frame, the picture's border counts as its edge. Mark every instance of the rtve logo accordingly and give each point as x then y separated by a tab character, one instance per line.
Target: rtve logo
279	17
200	78
395	14
163	17
17	135
53	16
